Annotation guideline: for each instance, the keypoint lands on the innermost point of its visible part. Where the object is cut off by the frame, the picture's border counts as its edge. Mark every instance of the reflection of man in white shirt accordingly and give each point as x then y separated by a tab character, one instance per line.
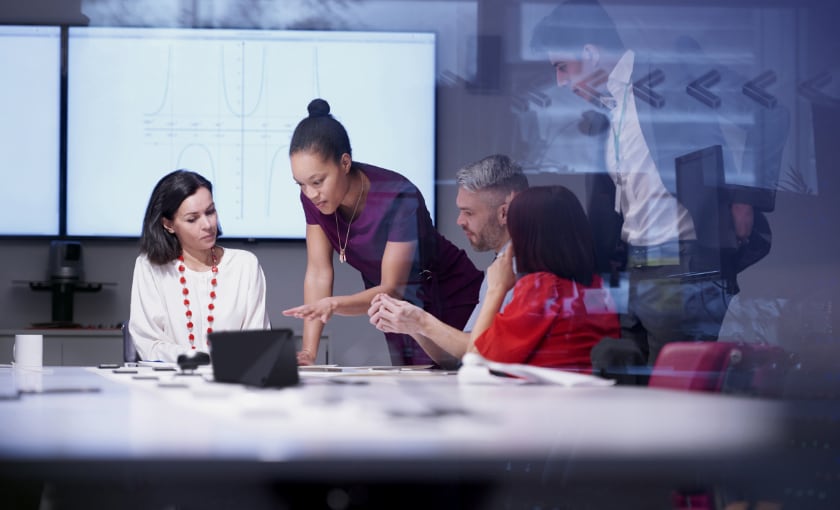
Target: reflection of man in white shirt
580	39
652	215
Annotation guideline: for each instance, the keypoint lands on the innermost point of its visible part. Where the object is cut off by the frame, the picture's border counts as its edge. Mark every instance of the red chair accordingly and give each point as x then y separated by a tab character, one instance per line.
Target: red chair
719	367
722	367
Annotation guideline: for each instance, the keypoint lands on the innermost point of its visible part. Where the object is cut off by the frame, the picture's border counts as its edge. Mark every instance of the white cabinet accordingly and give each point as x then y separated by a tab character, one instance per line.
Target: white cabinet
79	347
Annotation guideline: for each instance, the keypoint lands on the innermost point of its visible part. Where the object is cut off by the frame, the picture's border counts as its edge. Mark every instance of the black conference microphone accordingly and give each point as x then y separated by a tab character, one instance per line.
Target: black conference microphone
193	360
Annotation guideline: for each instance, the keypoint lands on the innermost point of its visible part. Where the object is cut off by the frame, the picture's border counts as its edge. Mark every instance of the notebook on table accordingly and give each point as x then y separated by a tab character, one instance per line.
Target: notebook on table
265	358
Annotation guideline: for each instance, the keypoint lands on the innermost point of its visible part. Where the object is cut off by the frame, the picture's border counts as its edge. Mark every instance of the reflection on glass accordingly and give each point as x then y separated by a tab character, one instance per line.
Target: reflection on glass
684	153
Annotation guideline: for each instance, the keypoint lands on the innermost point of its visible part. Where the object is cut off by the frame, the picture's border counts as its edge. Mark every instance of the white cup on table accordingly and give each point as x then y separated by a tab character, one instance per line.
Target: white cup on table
28	352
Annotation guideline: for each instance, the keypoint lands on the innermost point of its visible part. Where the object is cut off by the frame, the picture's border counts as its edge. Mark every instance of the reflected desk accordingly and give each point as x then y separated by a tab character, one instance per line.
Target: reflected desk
419	433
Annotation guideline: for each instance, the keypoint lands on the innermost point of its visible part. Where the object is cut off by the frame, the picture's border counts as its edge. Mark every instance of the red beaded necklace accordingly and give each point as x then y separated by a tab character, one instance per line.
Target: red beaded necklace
186	292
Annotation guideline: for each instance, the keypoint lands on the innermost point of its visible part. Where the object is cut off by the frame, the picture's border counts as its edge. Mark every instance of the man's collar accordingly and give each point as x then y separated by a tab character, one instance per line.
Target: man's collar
502	249
621	76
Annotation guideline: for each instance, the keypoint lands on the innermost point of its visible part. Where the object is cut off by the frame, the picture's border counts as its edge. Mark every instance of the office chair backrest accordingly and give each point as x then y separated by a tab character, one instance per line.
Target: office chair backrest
722	367
129	351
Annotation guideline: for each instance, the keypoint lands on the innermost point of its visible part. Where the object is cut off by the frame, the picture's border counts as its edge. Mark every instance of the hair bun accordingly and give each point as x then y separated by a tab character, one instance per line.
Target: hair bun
318	108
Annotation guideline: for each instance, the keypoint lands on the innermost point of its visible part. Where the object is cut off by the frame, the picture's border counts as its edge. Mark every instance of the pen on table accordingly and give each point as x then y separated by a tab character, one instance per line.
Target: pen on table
80	389
117	365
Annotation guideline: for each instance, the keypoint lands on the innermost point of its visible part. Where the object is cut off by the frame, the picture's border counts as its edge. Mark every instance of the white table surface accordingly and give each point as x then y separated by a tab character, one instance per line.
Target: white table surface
331	422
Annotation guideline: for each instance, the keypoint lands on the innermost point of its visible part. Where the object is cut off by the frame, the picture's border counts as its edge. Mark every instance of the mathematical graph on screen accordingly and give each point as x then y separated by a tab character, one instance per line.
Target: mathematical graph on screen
231	129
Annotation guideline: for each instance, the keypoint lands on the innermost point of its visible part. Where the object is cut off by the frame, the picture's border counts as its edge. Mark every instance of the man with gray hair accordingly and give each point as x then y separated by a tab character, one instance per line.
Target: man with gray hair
485	189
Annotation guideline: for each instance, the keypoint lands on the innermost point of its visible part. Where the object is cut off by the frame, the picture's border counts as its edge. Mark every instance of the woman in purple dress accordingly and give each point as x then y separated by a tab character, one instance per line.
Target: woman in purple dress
378	222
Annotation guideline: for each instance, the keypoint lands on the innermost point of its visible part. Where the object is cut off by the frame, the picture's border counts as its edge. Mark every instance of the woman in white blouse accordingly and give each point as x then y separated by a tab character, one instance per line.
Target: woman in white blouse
185	285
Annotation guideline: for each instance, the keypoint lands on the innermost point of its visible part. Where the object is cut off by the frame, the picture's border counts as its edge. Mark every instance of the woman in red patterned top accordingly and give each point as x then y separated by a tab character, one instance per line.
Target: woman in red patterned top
559	309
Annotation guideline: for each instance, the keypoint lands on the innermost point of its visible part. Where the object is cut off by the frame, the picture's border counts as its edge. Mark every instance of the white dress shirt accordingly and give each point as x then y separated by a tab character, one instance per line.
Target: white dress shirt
652	215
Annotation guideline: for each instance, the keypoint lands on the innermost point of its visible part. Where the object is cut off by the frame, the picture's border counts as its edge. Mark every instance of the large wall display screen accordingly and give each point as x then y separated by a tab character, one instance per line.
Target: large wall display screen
143	102
30	116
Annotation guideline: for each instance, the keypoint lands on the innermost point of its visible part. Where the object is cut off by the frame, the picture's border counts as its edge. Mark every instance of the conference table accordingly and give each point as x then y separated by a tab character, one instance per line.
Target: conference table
355	436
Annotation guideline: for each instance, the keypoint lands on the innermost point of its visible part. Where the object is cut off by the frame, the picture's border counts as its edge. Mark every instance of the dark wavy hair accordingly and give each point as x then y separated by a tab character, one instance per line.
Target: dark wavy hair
158	245
321	133
550	232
